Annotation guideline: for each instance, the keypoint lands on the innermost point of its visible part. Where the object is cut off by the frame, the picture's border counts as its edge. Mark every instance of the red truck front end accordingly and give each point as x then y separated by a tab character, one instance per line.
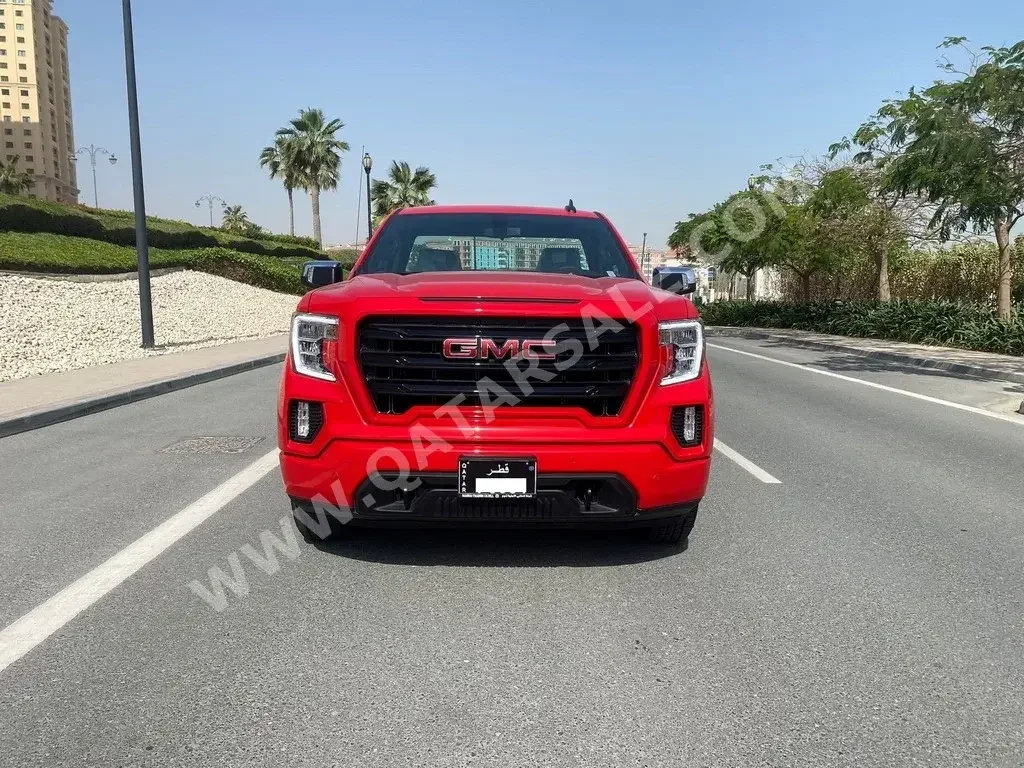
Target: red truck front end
527	397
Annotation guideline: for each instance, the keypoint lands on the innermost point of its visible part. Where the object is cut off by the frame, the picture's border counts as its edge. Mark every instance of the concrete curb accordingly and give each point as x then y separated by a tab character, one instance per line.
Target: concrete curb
890	357
67	411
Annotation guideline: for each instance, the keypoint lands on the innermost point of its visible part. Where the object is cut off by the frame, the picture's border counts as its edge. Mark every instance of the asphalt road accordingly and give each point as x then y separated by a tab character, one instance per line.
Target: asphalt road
865	611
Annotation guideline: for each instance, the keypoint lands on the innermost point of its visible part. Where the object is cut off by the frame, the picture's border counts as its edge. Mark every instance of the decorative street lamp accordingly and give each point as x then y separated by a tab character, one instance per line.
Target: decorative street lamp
643	256
368	166
92	151
210	199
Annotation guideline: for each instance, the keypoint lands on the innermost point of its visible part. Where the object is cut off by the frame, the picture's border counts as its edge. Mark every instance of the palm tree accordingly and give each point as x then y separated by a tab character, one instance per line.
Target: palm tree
13	181
316	151
404	189
236	220
279	160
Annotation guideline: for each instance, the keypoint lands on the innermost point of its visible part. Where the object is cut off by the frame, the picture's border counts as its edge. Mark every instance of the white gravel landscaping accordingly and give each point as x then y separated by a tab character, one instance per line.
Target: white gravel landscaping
59	325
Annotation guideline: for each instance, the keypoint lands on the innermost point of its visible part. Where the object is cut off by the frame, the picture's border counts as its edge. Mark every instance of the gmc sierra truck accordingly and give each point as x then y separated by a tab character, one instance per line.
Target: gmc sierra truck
501	366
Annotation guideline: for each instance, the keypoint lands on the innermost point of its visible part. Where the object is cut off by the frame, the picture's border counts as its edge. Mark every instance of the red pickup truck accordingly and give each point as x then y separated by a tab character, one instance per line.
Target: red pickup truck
486	365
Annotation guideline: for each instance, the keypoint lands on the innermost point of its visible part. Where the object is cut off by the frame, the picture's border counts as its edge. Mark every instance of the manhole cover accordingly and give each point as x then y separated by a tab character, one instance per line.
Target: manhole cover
213	445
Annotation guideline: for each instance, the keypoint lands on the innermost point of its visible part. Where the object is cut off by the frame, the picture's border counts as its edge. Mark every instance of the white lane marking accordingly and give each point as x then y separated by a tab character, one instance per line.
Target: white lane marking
883	387
746	464
41	622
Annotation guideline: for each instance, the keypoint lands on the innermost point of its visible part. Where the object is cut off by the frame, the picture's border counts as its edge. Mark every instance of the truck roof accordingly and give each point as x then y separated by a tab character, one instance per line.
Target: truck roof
513	209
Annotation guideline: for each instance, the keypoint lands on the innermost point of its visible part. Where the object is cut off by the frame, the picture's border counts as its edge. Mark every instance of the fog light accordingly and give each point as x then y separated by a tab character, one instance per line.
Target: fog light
302	419
690	424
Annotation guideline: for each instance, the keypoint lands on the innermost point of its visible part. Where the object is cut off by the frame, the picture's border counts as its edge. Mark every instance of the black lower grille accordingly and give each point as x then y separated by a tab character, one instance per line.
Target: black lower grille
678	421
435	497
404	365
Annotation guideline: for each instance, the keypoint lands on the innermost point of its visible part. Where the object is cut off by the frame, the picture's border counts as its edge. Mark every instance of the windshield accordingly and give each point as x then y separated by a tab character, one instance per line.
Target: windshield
486	242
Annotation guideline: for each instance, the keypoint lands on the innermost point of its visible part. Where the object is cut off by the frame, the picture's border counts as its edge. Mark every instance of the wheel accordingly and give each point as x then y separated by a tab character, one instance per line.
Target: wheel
673	530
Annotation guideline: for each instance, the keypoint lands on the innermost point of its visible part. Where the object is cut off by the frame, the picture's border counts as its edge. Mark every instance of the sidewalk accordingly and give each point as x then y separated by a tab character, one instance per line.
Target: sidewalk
965	361
41	400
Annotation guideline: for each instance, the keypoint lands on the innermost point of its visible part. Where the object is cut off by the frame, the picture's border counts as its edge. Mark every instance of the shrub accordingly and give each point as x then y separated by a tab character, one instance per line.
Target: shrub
20	214
306	242
964	272
71	255
347	256
945	323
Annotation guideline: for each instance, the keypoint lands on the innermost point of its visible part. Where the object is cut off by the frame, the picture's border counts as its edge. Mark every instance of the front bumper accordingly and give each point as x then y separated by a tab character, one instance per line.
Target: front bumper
578	485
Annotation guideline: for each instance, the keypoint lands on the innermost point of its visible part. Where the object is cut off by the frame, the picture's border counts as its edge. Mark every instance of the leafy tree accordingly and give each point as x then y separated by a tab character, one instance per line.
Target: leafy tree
279	160
315	151
236	220
403	188
803	242
746	223
733	234
886	219
690	235
961	145
13	181
809	232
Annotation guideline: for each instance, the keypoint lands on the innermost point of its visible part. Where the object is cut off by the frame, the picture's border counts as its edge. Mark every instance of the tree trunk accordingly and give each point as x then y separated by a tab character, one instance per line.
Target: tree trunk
1003	298
882	262
291	212
750	285
732	285
805	282
314	193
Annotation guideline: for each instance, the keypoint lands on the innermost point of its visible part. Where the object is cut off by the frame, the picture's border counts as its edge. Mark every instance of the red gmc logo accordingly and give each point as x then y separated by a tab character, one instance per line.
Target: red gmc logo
483	349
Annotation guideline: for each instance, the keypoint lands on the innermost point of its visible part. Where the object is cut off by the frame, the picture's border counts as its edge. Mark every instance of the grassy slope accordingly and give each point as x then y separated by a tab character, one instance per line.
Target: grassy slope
22	214
76	255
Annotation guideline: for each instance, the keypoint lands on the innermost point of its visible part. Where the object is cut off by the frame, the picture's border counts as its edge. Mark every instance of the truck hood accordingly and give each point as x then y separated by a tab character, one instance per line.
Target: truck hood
498	287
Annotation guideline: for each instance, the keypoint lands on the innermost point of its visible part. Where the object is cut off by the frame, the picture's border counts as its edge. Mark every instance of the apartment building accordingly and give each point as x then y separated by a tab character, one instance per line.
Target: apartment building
35	97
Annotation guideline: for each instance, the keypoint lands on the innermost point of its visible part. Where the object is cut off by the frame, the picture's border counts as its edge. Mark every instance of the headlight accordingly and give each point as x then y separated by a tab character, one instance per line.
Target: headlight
312	335
682	349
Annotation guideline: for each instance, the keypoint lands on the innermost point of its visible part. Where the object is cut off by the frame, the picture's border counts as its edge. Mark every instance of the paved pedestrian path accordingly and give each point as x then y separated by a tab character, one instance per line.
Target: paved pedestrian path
27	403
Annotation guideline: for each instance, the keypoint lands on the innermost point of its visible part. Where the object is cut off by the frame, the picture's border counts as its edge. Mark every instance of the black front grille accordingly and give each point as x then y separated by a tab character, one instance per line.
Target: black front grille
403	364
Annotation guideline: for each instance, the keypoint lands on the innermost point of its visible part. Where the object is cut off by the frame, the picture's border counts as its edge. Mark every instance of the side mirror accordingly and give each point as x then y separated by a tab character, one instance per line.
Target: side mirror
677	282
316	274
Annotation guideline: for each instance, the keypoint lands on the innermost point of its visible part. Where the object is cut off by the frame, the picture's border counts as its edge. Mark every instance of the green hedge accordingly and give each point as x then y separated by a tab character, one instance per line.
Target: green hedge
346	256
943	323
21	214
307	242
74	255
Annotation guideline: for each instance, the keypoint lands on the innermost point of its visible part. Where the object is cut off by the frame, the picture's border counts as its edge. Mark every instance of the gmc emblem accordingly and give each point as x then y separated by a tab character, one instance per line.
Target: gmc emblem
482	349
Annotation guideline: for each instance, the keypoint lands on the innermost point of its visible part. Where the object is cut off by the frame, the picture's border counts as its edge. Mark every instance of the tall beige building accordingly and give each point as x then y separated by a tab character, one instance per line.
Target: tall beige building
35	97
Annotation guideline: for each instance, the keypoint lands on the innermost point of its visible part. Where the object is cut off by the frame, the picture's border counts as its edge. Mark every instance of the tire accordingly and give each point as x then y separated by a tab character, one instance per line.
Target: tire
308	536
302	512
673	530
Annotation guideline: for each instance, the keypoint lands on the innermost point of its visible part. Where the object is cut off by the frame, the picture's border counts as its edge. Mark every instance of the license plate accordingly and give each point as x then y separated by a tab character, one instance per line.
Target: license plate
497	478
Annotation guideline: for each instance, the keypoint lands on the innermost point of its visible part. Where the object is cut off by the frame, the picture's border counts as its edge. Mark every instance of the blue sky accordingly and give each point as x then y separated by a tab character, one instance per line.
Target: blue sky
646	110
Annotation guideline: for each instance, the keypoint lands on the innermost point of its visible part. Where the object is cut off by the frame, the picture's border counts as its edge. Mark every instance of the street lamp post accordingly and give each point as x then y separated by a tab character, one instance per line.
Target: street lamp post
92	150
643	255
368	166
359	203
141	237
210	199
